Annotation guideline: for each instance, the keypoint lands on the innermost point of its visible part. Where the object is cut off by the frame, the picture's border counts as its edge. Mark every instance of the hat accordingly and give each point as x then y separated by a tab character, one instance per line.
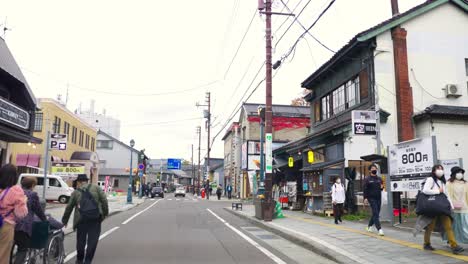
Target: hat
82	177
456	170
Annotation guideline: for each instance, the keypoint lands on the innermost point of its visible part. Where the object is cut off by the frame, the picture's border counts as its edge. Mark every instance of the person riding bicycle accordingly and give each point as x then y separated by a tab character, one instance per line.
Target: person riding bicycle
23	229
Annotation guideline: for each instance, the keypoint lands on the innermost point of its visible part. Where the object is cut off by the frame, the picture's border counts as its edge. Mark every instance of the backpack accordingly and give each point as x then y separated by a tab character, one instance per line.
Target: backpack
5	192
89	210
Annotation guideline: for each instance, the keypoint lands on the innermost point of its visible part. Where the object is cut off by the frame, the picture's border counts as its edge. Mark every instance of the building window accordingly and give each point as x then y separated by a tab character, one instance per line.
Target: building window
326	107
81	138
38	121
339	100
466	66
57	124
66	128
74	132
87	142
104	144
93	144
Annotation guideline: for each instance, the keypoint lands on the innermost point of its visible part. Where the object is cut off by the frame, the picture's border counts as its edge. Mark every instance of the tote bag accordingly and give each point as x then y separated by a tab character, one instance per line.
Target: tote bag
432	205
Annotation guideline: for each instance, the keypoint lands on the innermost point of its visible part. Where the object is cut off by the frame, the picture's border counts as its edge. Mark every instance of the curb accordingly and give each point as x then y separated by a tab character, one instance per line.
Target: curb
307	244
68	232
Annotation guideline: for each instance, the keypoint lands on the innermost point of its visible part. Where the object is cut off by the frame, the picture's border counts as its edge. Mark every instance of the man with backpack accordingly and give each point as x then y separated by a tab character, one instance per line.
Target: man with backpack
91	207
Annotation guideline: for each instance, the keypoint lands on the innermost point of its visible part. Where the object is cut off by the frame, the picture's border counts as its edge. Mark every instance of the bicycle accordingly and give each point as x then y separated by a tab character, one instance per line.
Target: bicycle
52	253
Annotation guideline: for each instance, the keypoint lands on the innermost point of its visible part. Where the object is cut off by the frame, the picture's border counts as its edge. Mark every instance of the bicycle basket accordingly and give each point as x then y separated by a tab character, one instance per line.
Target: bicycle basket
40	234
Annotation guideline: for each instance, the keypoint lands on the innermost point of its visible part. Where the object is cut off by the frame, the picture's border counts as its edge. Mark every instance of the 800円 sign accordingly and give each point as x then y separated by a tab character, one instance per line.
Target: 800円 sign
412	158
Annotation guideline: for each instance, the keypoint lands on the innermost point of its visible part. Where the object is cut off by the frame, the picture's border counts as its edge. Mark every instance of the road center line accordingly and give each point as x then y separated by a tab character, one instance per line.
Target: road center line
137	214
73	254
251	241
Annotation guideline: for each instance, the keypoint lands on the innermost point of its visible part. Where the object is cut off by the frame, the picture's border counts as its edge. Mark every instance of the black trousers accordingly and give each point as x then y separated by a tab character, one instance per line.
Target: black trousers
23	241
229	195
375	206
87	234
338	211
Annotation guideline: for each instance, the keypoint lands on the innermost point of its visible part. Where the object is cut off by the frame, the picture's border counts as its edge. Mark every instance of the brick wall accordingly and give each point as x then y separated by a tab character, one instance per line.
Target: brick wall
404	95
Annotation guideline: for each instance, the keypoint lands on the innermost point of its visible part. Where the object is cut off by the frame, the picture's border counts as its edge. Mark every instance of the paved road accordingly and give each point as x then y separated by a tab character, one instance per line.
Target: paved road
187	230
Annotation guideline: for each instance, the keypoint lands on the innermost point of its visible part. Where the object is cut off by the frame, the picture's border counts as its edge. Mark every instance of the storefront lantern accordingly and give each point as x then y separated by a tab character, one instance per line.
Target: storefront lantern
310	156
291	162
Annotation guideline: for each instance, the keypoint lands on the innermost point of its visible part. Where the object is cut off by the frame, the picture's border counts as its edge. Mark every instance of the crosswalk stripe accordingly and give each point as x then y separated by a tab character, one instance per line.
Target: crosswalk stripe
169	199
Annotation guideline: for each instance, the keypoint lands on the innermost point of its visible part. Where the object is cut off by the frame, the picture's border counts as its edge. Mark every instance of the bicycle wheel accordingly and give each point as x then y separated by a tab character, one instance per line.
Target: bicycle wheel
54	254
14	249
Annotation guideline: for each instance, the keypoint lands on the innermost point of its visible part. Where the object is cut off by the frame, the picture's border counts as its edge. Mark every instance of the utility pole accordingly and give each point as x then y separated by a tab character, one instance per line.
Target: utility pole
208	126
193	172
199	159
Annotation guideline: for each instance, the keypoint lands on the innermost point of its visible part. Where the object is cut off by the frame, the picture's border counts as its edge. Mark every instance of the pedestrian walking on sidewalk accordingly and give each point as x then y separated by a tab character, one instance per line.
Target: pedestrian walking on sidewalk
338	199
373	187
229	191
457	189
91	208
434	186
23	229
219	191
13	206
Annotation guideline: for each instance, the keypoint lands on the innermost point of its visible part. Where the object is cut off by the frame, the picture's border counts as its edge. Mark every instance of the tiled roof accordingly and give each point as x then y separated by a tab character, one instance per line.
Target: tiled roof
279	110
450	111
377	30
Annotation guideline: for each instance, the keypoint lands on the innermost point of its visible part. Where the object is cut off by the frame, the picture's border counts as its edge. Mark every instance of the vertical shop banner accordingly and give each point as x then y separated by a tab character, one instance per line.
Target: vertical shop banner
268	153
244	156
106	184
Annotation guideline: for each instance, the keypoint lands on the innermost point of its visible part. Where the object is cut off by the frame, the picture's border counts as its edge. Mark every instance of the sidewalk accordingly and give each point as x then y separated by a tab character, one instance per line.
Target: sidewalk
350	243
116	204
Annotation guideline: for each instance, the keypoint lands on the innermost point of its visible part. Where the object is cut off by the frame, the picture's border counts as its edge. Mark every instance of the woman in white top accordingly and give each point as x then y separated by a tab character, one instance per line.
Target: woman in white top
436	185
457	189
338	199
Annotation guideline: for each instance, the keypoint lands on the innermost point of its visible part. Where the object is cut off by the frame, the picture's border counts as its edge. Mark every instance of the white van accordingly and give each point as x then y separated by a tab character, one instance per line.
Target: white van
57	189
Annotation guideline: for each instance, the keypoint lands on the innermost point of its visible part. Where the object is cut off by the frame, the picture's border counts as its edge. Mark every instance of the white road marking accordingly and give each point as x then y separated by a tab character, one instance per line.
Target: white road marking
177	199
73	254
251	241
323	243
137	214
152	199
169	199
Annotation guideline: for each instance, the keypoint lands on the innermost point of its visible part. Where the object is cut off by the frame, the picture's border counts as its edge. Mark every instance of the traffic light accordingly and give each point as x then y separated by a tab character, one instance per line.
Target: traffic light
291	162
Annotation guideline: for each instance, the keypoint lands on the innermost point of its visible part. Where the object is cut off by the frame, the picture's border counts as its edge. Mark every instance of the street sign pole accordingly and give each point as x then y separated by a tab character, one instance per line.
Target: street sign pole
46	163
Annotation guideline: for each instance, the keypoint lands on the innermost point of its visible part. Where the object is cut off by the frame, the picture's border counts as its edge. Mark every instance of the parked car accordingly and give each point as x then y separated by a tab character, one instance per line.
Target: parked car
157	191
180	191
57	188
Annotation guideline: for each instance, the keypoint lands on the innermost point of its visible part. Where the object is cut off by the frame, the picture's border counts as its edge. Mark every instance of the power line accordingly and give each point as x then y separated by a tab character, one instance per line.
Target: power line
293	47
287	18
295	18
240	45
310	34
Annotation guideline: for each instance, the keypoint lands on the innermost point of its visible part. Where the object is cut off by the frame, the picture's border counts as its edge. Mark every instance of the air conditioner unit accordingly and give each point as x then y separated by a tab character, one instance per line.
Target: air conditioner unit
451	90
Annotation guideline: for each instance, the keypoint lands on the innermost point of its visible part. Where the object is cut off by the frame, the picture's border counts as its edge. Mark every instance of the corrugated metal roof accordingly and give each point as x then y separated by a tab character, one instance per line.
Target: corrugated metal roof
9	65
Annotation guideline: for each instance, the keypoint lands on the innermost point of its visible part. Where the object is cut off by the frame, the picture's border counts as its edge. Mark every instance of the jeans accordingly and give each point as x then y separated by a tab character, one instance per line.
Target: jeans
87	234
375	218
447	224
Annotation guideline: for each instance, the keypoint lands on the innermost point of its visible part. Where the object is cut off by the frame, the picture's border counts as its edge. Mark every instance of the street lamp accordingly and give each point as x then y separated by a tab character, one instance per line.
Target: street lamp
130	179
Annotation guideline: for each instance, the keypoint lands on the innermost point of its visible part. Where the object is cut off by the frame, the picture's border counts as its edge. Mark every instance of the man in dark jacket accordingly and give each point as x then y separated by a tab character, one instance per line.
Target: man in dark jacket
373	187
87	231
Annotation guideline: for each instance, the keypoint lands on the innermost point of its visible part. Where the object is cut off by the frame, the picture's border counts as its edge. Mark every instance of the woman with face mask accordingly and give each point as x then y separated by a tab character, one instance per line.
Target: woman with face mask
338	198
435	185
457	189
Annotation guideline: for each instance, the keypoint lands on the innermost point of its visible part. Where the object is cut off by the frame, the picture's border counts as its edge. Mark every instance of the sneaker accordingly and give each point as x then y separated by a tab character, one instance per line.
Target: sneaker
457	250
341	221
369	229
381	233
336	222
428	247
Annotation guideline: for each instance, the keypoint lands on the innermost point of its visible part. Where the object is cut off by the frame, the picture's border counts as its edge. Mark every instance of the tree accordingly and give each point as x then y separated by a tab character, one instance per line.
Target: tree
186	162
299	101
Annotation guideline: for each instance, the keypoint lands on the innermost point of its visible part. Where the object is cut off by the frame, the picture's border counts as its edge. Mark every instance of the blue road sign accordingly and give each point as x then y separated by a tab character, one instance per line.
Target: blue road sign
141	166
174	164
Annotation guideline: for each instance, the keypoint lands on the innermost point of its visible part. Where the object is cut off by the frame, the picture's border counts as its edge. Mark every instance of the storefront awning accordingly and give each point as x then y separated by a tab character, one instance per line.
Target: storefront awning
322	165
33	160
21	160
16	135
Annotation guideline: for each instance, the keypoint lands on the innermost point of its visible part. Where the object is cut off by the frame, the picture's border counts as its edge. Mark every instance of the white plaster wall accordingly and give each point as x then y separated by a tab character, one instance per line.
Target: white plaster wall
356	146
437	47
118	156
452	140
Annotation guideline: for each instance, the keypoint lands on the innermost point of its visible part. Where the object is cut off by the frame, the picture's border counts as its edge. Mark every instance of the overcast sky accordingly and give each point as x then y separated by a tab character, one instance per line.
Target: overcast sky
148	62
